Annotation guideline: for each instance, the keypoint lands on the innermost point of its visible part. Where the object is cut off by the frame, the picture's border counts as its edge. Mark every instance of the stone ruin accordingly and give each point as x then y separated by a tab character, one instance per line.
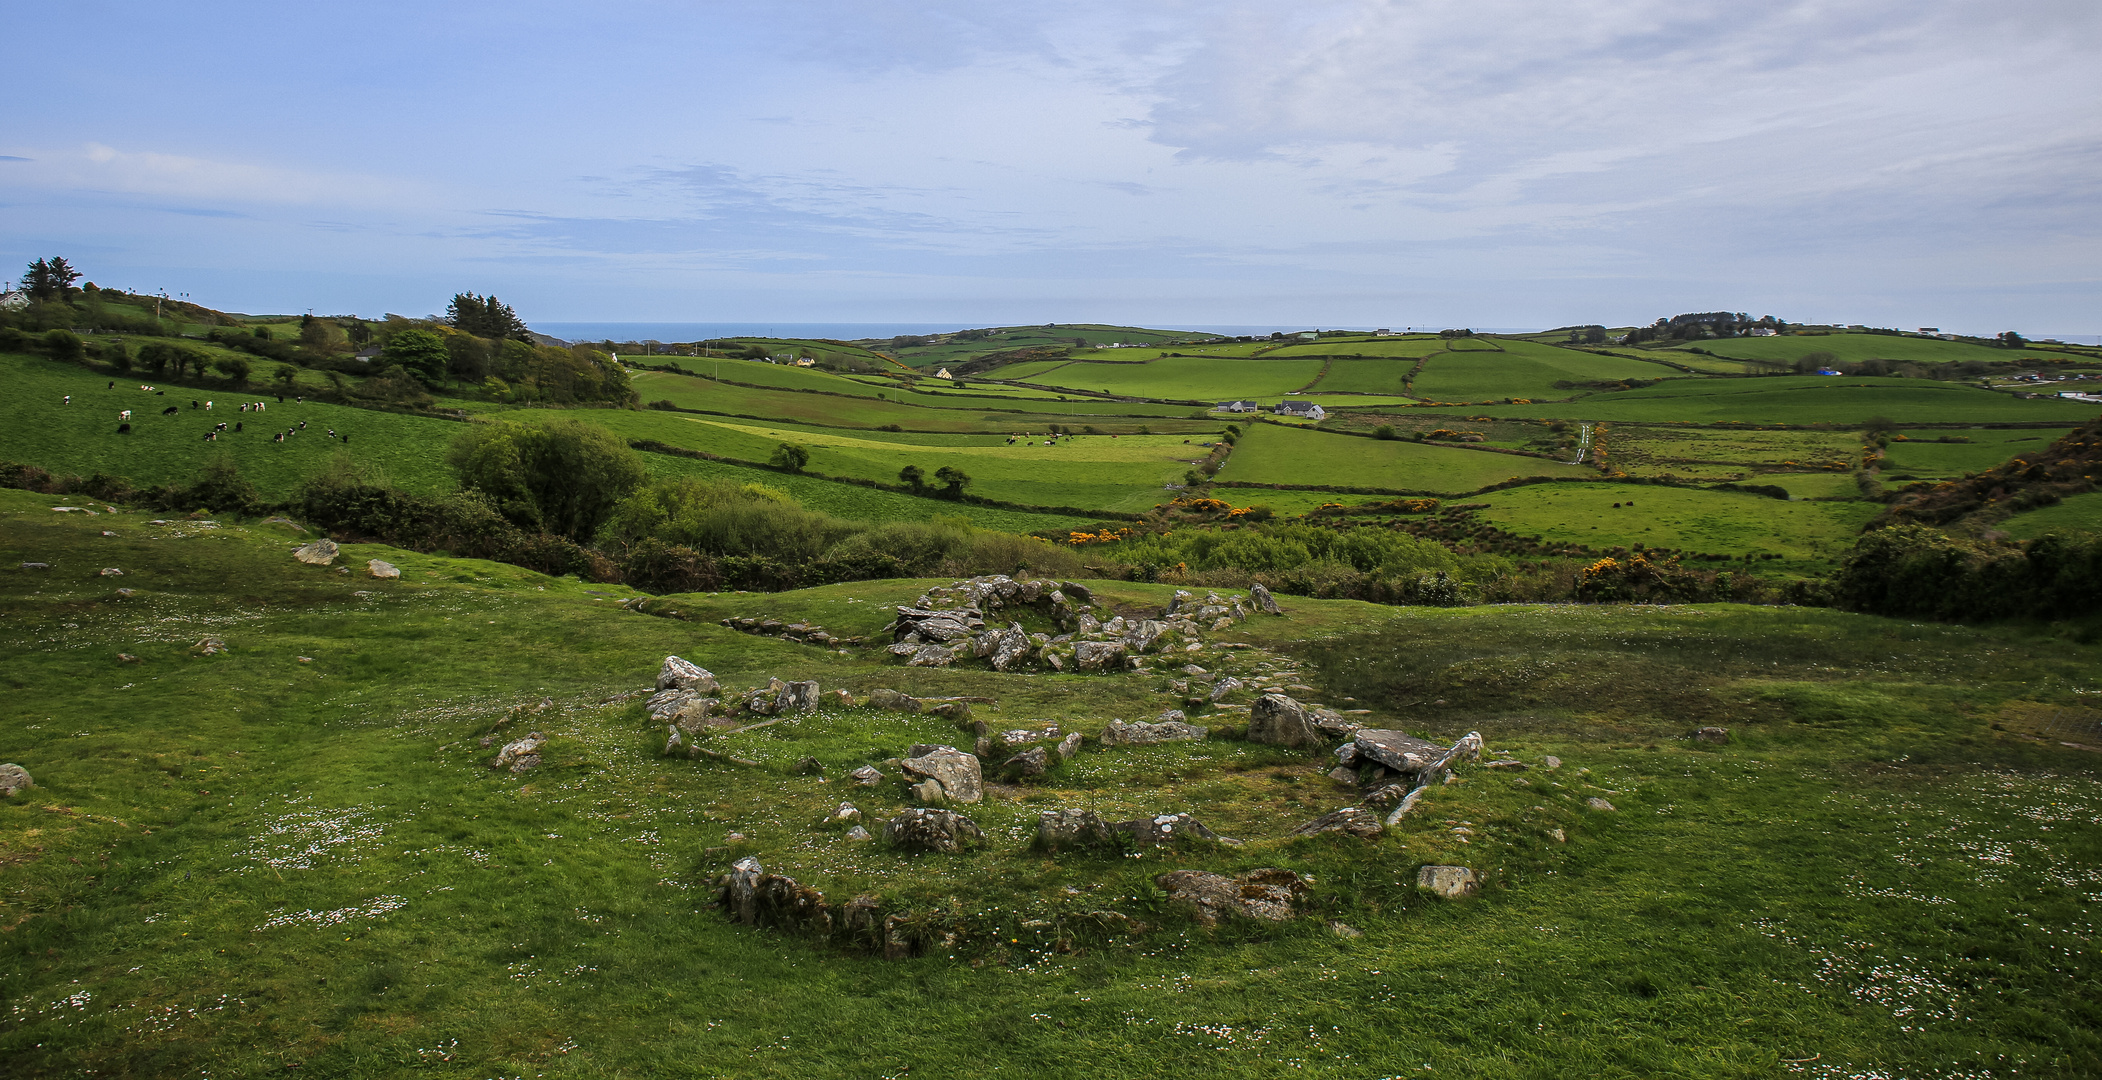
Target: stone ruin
961	622
807	633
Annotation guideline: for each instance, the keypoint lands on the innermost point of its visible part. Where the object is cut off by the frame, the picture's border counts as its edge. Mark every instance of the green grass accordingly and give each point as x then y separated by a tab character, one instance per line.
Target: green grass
1805	399
1092	472
915	411
1869	874
1839	485
1852	348
2078	513
1807	535
1521	369
1273	454
1188	377
1920	455
1398	347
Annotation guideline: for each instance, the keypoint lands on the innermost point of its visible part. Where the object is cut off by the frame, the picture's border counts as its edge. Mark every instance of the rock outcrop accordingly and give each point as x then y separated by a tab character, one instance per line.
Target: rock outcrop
957	775
1281	721
925	829
1267	894
1450	882
14	778
1119	733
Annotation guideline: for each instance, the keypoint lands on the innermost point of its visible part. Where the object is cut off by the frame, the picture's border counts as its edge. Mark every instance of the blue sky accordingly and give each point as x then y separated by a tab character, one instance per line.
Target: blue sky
1455	162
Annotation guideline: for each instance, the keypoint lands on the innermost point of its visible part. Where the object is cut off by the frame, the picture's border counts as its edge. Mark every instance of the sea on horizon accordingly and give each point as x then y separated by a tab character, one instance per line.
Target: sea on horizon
698	331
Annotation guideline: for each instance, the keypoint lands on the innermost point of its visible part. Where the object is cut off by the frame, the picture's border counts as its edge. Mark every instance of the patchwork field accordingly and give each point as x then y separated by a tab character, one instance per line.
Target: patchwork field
1189	377
915	411
1807	535
1806	399
2078	513
1522	369
1852	348
1922	454
1271	454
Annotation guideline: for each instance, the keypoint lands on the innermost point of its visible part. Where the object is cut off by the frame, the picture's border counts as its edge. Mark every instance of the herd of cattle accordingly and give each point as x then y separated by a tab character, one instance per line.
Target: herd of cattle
212	435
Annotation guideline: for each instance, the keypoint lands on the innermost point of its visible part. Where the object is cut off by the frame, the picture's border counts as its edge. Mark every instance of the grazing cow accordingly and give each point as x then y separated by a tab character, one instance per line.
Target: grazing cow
237	425
69	399
346	438
123	429
332	433
160	393
113	384
170	411
125	415
196	404
211	436
302	425
207	406
279	437
221	427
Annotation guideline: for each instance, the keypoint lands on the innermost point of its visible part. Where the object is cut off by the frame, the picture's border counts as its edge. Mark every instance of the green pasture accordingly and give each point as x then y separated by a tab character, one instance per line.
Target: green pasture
1522	369
1805	534
918	411
1378	377
1921	453
1853	348
290	856
949	349
37	428
1829	485
783	376
857	503
1274	454
1189	377
1646	449
1390	347
1804	399
2077	513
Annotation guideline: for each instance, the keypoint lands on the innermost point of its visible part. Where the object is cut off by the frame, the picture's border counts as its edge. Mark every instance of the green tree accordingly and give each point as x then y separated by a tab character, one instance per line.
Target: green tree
313	333
284	375
914	477
421	352
790	456
2011	340
234	367
485	316
50	280
953	480
560	477
118	354
63	344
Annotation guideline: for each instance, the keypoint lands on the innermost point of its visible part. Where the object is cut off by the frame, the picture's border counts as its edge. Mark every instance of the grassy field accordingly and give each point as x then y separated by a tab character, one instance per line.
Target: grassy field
1521	369
1188	377
1807	535
918	412
1272	454
313	871
1396	348
2079	513
1806	399
1092	472
1852	348
1922	455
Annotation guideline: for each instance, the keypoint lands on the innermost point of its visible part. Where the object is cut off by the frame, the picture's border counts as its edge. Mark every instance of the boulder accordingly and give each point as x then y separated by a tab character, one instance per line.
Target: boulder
1450	882
1060	829
1068	746
809	766
1171	716
757	898
1262	600
886	698
382	569
1224	687
1397	750
14	778
1266	894
955	712
1119	733
927	791
520	755
796	697
1597	803
318	553
677	674
857	833
847	814
931	656
1164	829
1355	820
866	776
1031	762
1715	735
111	571
1010	647
1101	656
956	772
923	829
1281	721
1081	594
674	745
1553	762
1145	635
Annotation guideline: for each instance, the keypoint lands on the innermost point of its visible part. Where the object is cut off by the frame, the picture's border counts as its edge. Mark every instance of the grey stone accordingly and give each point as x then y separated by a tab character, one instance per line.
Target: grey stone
1281	721
1081	594
796	697
1553	762
1164	829
1101	656
858	834
955	712
1060	829
1714	735
1119	733
1224	686
1171	716
111	571
1267	894
866	776
931	656
14	778
674	746
1263	601
847	813
677	674
317	553
1031	762
380	568
924	829
886	698
520	755
36	566
1343	776
1597	803
957	773
1068	746
1355	820
1450	882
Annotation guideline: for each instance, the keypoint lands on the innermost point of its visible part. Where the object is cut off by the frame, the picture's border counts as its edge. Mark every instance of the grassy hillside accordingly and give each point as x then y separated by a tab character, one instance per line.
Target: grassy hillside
1808	535
314	871
1522	369
1272	454
1852	348
2078	513
1806	399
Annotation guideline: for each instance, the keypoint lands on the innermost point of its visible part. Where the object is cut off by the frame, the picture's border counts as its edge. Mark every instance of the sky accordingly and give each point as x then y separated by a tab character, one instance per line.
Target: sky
1318	162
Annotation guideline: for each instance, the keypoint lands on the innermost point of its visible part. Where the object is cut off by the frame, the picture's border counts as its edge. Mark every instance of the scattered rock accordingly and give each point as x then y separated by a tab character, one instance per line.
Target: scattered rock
923	829
1558	835
127	658
36	566
209	646
1345	930
127	593
318	553
1450	882
14	778
1057	830
521	755
1223	687
1068	746
1029	763
1714	735
1262	600
678	674
1597	803
1355	820
931	656
955	712
857	834
866	776
1171	716
111	571
1164	829
1511	766
1281	721
1553	762
886	698
847	813
381	569
796	697
809	766
956	773
1266	894
674	745
1119	733
1102	656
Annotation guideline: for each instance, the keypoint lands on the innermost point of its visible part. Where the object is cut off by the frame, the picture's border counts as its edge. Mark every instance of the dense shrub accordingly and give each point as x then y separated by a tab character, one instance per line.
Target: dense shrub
561	476
1912	571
